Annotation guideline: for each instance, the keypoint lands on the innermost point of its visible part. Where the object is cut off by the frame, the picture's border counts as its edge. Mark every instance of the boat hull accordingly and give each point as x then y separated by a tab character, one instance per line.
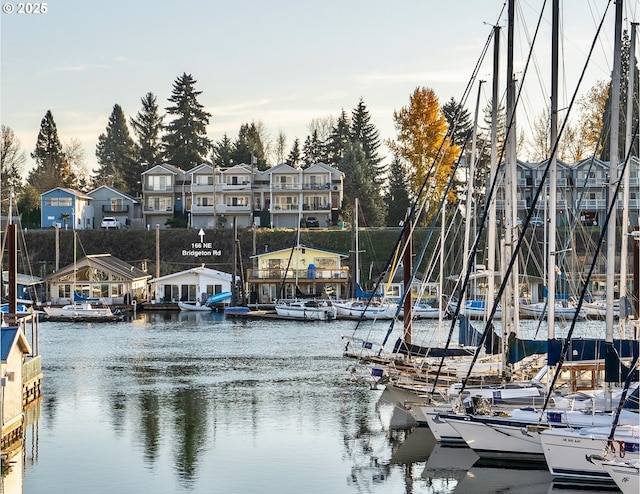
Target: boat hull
568	452
193	307
306	310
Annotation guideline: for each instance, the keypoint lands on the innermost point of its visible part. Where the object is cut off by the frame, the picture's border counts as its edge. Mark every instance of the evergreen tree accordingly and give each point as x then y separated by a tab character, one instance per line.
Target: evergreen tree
459	120
294	157
248	144
147	126
222	154
359	184
118	155
185	143
313	150
397	199
364	132
339	138
12	159
52	167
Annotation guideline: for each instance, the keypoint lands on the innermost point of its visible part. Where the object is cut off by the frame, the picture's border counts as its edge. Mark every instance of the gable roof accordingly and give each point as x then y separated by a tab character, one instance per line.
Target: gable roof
239	168
166	167
10	336
71	192
288	250
202	167
198	271
115	191
106	262
283	168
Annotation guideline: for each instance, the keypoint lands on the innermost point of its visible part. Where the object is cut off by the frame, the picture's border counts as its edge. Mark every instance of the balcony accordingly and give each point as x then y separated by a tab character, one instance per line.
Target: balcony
153	210
123	208
156	188
299	274
312	186
285	207
220	209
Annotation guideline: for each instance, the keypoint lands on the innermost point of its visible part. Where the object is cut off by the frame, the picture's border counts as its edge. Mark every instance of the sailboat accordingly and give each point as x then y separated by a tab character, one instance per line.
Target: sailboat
365	305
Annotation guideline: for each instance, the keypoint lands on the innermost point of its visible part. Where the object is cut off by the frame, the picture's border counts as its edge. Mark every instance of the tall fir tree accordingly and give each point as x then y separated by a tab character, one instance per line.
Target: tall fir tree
147	126
313	150
222	154
118	155
459	120
397	198
364	132
185	142
249	146
295	157
339	138
358	184
52	167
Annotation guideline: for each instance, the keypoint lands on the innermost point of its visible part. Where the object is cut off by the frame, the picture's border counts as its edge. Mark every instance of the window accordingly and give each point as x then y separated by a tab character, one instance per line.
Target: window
58	201
159	182
159	204
204	179
116	205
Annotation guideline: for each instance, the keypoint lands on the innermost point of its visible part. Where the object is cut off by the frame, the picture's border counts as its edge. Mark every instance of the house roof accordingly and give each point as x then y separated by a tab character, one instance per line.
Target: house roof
197	271
283	168
10	336
115	191
106	262
22	279
202	167
75	193
166	166
342	255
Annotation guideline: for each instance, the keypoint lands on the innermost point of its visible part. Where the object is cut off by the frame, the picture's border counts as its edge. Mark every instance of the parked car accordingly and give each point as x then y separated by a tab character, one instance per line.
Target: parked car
110	222
312	222
536	221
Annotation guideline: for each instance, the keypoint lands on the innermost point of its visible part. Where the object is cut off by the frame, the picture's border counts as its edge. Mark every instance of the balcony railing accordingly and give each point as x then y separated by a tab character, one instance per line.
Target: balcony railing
300	274
115	209
157	188
152	209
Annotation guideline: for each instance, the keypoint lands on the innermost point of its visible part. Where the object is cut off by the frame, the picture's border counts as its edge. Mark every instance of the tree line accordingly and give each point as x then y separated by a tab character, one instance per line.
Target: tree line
430	139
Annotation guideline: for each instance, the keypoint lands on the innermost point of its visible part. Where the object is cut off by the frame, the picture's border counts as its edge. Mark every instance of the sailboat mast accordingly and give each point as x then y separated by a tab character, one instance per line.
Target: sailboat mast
510	305
356	249
491	233
407	272
553	176
624	246
613	180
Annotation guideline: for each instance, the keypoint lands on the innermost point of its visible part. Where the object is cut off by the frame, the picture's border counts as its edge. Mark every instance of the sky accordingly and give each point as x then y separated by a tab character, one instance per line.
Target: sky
279	62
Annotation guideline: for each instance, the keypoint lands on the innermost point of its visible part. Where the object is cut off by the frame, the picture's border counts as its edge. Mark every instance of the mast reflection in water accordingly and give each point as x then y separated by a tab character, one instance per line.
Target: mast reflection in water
192	402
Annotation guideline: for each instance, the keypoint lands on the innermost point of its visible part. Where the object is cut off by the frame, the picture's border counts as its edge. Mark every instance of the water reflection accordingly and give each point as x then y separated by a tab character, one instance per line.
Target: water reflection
194	403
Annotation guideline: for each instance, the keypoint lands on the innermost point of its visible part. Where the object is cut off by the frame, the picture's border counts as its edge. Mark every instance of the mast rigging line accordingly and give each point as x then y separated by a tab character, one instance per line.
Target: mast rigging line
419	201
488	324
603	233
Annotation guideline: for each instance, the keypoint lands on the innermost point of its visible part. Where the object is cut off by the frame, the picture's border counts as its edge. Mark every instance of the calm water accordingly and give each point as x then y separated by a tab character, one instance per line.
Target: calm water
194	403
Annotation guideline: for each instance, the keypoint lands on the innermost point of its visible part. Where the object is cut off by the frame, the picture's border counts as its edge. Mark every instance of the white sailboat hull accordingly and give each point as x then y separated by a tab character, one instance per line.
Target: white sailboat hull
561	311
360	309
568	452
625	474
81	311
306	310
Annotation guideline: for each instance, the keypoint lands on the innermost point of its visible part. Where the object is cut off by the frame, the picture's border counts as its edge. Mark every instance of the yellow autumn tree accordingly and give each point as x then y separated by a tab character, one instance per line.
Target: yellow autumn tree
422	141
